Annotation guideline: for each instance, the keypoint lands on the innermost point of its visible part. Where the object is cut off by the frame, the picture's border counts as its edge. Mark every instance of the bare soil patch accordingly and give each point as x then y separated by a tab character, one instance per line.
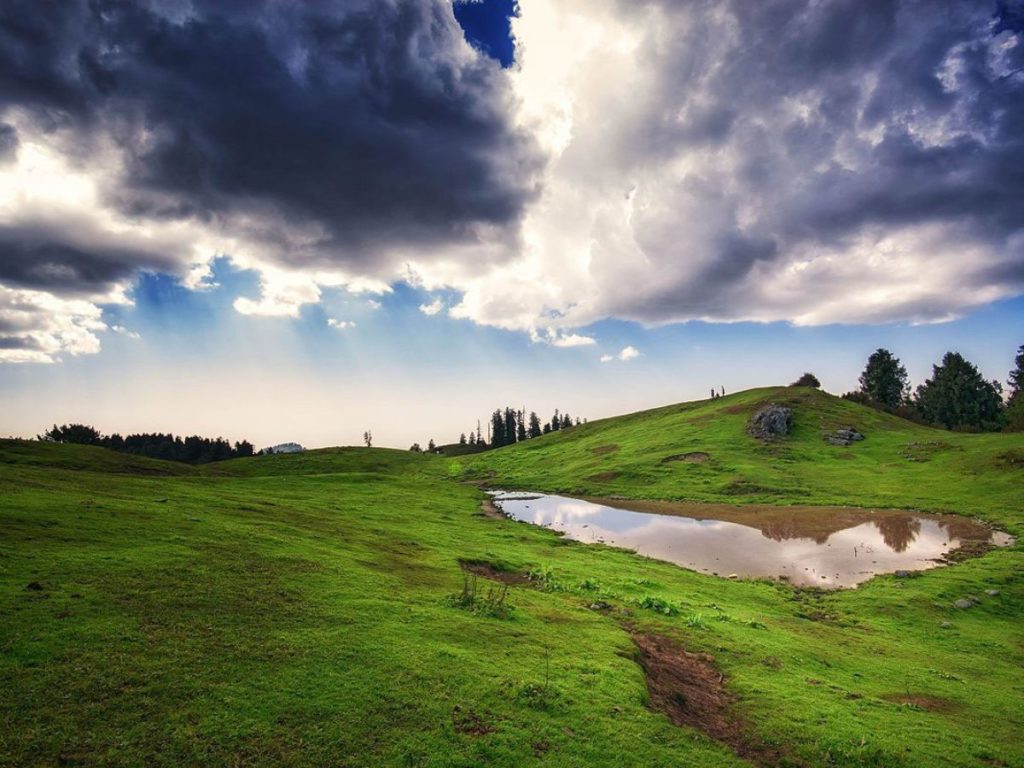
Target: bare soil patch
693	457
604	477
468	722
490	509
968	549
1012	458
690	690
923	701
604	450
493	572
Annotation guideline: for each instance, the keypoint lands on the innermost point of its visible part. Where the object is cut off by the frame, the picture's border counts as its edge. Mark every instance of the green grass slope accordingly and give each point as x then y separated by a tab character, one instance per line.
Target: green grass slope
296	610
900	464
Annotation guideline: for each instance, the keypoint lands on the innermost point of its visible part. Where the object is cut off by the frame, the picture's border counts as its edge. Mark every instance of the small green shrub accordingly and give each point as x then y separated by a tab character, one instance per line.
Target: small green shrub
658	605
544	577
491	604
696	620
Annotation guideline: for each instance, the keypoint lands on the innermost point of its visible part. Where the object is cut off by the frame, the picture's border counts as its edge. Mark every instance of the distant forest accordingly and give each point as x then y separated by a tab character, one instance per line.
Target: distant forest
507	426
191	450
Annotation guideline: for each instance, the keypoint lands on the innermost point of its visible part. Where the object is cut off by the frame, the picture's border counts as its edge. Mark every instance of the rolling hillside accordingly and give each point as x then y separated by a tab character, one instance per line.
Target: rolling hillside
701	451
311	609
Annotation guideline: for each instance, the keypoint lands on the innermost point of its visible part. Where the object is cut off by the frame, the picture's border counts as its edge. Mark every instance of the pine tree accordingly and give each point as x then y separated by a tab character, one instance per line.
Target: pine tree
462	439
958	397
535	429
1015	403
472	438
1017	378
556	421
497	430
431	447
520	427
510	426
884	379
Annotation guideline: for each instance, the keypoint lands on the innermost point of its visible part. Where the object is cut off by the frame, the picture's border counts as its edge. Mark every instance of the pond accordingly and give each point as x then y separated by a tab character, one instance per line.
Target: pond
827	547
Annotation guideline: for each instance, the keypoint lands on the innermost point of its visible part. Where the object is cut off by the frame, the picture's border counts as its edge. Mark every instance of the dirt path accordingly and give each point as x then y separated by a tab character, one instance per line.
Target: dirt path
690	690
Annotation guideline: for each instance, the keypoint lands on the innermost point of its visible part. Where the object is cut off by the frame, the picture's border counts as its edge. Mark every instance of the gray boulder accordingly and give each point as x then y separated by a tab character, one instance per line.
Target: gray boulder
843	436
770	422
963	604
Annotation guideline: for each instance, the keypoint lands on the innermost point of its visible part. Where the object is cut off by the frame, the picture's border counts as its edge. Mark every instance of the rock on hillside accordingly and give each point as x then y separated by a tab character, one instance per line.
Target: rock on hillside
844	436
770	422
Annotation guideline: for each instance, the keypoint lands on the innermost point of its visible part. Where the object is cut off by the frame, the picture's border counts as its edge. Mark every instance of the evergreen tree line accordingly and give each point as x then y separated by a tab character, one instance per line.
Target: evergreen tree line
155	445
507	426
510	426
956	396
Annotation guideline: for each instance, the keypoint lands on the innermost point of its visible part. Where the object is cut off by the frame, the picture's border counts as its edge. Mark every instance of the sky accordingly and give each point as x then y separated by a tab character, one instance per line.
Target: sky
298	221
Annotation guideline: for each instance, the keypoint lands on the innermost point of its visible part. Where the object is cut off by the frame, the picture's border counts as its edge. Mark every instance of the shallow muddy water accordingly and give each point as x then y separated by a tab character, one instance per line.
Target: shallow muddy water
821	546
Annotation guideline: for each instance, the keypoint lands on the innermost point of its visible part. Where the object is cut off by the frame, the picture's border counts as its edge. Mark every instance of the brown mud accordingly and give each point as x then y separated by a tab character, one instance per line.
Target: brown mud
689	689
693	457
923	701
493	572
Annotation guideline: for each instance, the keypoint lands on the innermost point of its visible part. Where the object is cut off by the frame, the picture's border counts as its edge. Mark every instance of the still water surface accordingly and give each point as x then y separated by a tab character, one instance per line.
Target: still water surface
823	546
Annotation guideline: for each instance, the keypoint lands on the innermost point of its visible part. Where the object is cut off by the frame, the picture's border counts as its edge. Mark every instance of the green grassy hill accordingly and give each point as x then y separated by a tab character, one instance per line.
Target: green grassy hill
306	609
899	464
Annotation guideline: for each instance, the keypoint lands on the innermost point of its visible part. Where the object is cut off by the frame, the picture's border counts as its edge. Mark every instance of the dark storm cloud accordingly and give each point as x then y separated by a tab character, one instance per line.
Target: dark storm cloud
371	122
68	257
44	259
18	342
8	141
879	66
807	125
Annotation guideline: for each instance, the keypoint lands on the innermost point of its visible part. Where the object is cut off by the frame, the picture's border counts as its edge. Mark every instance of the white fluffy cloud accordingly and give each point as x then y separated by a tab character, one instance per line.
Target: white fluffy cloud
120	330
625	354
432	308
341	325
573	340
37	327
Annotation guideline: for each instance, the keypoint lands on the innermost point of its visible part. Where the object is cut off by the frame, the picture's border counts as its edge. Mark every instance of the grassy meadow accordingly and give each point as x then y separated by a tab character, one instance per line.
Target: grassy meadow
308	609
